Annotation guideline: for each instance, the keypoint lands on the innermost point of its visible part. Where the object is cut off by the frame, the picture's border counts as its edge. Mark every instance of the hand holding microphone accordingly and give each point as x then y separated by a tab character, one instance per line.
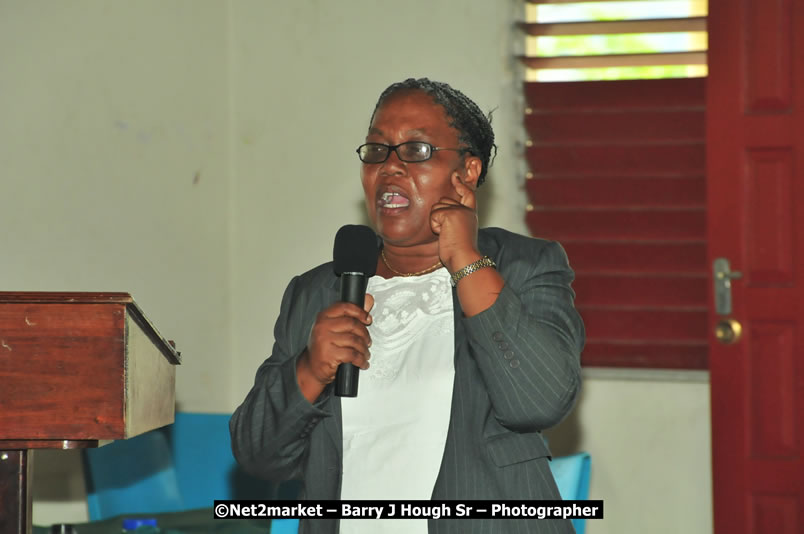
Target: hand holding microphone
339	341
355	257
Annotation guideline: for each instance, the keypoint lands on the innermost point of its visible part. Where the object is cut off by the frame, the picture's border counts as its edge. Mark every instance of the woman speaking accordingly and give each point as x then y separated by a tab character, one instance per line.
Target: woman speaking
469	342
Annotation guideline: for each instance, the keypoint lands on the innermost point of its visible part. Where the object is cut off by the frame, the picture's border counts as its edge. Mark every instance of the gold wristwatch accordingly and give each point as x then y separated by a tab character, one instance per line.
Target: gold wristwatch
482	263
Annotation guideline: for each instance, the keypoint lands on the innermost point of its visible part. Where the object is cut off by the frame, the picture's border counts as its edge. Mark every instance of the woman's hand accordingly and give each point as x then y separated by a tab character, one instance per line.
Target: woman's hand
455	223
339	335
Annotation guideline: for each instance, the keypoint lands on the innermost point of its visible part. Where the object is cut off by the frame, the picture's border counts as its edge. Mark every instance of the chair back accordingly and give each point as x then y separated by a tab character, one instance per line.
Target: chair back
133	476
205	467
572	478
183	466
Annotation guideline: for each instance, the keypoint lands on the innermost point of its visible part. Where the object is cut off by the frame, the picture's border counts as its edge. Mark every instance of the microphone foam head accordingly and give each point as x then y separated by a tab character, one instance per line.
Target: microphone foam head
356	250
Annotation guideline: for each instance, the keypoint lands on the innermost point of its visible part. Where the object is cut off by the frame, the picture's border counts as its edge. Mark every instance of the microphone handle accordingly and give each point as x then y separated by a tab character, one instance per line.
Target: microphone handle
353	289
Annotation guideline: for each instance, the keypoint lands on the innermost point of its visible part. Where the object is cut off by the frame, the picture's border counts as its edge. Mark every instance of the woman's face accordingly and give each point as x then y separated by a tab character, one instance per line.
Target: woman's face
400	195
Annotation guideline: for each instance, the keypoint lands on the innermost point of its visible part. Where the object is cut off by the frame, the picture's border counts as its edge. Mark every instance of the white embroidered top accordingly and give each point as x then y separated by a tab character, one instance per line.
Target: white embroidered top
395	430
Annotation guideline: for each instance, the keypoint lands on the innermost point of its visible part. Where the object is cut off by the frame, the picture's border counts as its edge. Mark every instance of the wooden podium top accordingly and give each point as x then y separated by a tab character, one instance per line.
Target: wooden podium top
80	367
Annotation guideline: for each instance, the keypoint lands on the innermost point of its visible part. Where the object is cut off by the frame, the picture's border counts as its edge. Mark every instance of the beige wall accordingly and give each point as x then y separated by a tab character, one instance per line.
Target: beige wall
114	177
114	161
199	153
648	435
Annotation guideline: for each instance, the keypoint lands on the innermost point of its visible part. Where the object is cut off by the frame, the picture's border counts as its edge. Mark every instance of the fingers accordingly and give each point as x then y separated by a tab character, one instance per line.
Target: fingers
447	201
331	327
341	309
466	195
368	303
445	204
346	325
339	335
441	209
351	348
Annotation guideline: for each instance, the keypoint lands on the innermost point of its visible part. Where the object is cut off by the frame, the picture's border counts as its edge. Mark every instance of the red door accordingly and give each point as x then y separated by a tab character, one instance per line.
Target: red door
755	198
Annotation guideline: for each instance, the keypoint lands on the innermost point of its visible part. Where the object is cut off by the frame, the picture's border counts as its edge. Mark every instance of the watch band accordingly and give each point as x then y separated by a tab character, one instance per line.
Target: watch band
482	263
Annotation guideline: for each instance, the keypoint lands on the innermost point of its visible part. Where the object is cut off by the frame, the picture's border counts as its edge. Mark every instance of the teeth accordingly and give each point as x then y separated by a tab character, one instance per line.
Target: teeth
388	197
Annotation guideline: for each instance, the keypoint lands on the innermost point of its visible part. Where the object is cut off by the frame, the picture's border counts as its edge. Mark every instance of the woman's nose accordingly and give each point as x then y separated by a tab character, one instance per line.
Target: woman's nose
393	165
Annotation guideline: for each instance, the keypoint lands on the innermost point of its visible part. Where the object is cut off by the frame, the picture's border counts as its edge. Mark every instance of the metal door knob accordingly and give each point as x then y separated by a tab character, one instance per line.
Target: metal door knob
728	331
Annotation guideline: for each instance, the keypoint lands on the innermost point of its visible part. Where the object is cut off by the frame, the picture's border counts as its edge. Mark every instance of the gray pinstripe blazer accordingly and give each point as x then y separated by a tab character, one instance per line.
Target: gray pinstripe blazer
517	372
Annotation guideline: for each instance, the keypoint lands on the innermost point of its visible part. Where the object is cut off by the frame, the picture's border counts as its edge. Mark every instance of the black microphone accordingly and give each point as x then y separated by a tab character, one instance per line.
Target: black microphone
356	252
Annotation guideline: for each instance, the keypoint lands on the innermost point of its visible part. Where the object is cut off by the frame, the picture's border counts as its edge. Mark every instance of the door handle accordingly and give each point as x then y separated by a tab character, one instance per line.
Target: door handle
728	331
722	276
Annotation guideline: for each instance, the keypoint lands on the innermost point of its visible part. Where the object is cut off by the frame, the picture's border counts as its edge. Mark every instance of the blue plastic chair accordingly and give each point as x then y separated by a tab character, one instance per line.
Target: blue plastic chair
284	526
205	467
572	478
132	476
183	466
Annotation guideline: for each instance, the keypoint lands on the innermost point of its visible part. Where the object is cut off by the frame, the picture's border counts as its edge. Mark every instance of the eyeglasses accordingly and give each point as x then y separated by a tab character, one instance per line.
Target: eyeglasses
410	152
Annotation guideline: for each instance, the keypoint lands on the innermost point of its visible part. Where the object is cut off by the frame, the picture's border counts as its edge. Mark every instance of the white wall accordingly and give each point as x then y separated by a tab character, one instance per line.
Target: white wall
199	153
114	176
113	154
648	433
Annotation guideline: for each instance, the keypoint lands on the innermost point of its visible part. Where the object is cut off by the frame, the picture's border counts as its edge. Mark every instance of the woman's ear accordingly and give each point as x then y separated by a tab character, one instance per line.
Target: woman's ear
472	167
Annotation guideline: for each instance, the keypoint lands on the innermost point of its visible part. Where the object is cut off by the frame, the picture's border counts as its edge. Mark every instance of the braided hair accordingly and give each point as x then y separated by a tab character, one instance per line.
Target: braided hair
474	127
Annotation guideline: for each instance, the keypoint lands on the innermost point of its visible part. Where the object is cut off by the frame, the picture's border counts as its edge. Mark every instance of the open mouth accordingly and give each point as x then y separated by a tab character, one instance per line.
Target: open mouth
393	200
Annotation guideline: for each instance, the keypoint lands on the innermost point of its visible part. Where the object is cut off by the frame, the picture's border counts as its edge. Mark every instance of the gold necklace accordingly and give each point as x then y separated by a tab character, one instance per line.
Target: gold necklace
425	271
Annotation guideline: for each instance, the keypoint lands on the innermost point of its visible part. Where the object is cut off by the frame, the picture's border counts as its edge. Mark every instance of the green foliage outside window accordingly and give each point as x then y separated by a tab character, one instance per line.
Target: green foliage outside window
585	45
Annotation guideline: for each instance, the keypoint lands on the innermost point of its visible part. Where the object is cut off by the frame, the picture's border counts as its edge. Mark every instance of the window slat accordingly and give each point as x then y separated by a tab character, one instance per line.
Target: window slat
582	1
691	24
615	60
682	93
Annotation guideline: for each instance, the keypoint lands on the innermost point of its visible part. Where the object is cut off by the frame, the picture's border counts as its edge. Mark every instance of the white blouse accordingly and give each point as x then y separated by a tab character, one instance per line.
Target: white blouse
395	430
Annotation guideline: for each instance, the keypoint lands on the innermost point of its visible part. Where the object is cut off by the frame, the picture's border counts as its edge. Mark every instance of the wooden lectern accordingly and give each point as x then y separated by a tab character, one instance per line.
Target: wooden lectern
75	369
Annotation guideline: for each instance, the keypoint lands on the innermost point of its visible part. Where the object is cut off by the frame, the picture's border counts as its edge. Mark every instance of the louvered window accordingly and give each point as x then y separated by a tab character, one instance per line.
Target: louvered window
617	171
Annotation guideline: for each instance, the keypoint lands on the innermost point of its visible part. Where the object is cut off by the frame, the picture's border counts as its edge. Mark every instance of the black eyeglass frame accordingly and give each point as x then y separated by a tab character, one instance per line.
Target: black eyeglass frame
393	148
